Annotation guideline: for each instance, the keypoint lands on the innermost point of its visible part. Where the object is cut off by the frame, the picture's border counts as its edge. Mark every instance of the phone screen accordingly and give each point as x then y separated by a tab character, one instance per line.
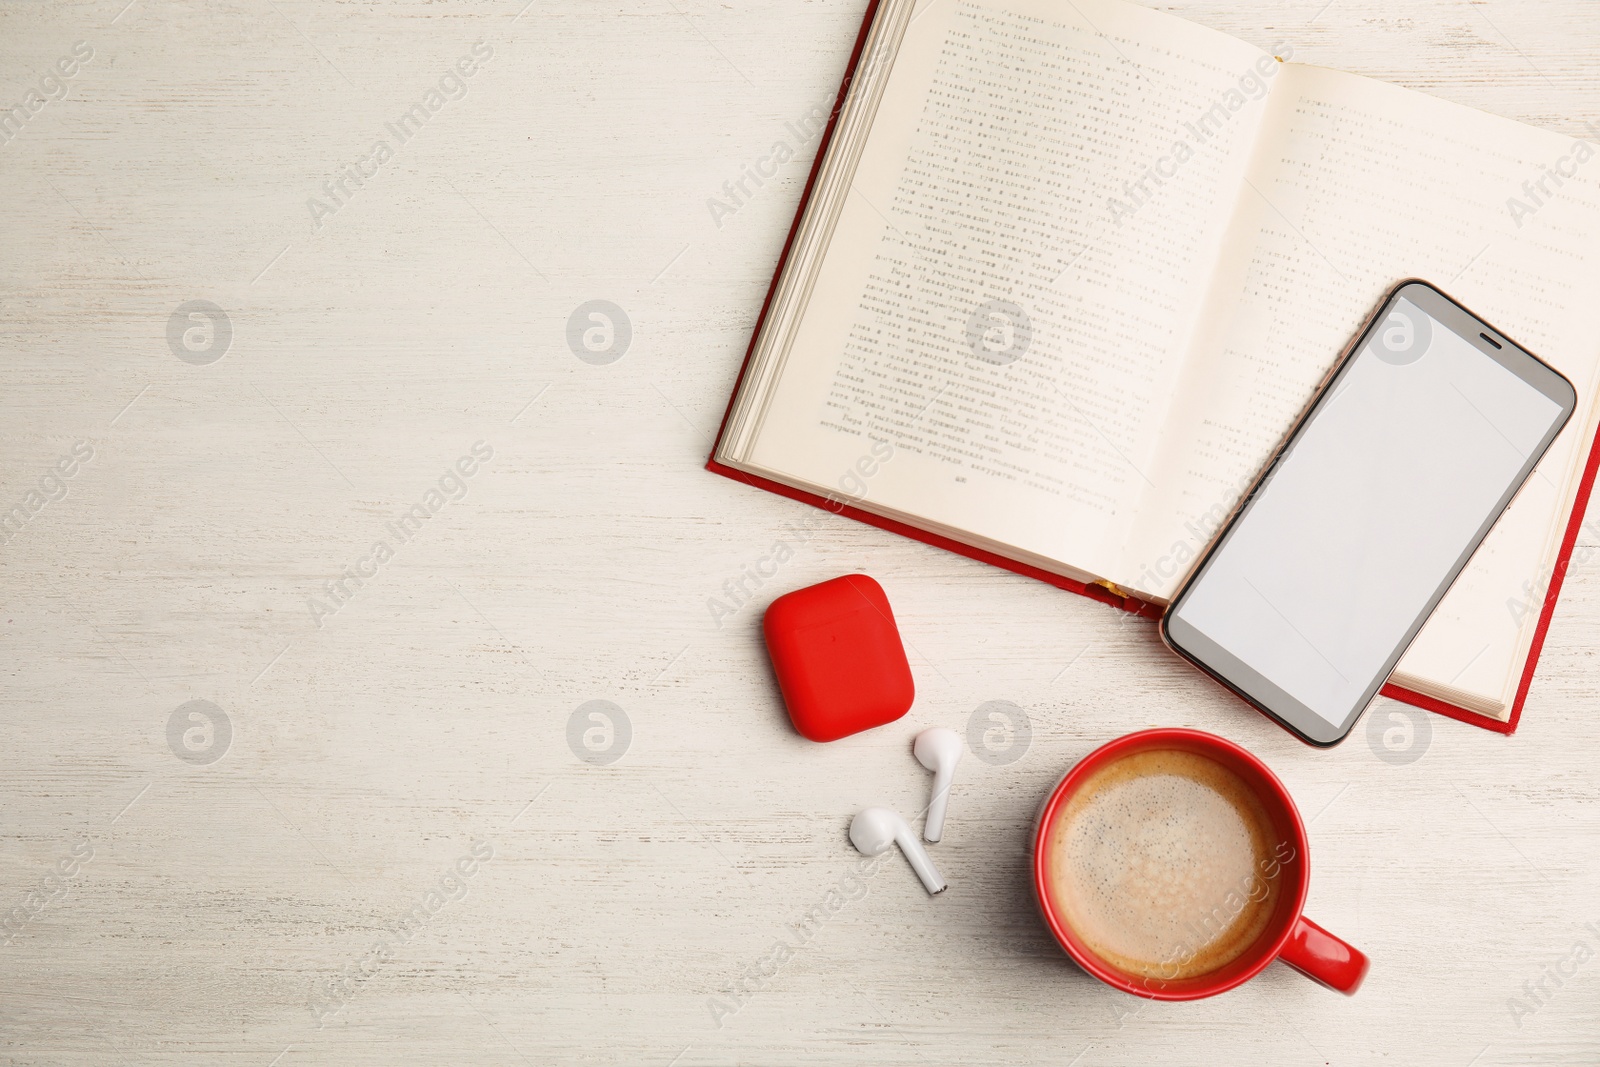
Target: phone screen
1414	448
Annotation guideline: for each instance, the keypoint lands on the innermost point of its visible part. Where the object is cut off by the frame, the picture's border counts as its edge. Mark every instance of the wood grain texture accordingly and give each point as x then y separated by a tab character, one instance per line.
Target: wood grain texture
429	715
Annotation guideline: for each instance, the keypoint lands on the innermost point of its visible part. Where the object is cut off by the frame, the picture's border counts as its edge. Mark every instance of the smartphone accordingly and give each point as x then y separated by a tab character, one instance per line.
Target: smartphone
1412	448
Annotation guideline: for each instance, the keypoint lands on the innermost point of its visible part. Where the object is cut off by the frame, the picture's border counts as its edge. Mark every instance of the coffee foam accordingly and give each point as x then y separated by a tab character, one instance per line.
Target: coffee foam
1163	864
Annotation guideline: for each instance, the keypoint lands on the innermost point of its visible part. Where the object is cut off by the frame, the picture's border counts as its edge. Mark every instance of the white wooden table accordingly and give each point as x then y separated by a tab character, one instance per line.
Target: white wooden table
209	883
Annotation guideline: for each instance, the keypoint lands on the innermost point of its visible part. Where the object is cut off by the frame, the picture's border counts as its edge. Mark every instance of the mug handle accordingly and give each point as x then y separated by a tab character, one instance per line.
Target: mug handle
1323	958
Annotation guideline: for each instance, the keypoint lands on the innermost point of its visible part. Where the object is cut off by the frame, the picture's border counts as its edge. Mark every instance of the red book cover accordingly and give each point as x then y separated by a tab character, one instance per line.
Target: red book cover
1099	592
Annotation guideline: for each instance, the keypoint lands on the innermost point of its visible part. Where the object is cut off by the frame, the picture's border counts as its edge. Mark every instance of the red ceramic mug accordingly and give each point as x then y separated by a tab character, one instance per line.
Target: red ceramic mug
1288	934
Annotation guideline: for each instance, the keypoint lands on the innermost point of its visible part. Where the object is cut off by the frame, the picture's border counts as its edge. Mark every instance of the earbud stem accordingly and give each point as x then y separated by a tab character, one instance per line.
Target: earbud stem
933	826
922	863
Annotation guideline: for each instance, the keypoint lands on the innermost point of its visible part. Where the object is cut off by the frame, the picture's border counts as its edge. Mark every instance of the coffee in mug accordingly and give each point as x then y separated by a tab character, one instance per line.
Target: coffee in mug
1172	864
1165	864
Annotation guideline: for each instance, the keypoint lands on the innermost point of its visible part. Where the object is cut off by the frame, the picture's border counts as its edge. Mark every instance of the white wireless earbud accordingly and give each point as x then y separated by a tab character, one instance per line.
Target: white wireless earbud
938	749
876	829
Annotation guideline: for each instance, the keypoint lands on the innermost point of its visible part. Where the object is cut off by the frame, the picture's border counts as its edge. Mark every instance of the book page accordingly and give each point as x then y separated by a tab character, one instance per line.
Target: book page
1011	284
1356	186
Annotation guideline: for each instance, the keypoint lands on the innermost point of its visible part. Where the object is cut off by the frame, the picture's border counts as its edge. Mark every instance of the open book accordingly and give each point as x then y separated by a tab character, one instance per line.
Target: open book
1067	273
